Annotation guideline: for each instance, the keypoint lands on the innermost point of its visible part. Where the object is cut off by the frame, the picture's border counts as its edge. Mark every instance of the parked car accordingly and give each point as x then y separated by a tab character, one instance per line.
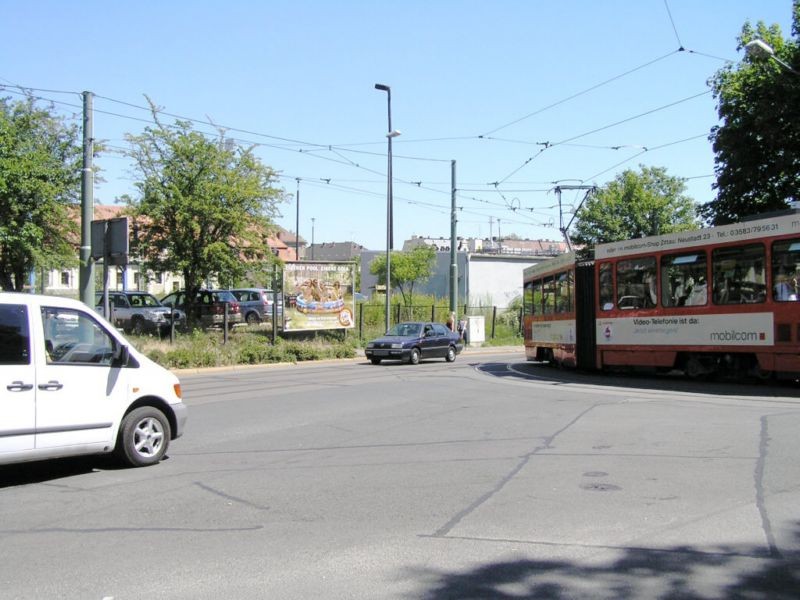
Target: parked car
208	308
256	305
414	341
71	384
140	312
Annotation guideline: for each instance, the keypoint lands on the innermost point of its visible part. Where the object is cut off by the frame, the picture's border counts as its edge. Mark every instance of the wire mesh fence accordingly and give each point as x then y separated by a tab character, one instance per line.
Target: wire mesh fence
500	321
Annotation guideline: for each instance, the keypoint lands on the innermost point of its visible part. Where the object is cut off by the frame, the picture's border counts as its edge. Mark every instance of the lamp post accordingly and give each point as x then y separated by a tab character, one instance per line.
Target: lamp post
312	237
761	48
389	217
297	225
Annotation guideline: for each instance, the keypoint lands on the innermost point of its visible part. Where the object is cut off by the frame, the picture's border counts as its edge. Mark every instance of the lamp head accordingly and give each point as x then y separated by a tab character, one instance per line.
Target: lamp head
393	133
758	48
380	86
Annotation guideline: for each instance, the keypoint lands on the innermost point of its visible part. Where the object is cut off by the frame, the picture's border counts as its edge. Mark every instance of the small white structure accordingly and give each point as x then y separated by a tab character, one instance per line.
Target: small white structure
476	330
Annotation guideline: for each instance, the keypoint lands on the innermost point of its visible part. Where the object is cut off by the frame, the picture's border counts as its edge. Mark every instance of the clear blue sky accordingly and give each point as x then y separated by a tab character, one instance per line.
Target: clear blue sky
297	78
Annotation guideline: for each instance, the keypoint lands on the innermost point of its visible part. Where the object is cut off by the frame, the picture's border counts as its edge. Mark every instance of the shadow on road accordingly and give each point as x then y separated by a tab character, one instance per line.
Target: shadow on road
648	381
51	470
685	573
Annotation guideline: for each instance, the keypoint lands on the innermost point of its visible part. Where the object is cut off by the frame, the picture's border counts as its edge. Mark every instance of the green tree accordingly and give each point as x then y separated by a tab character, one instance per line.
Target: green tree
407	269
757	145
205	205
40	159
635	205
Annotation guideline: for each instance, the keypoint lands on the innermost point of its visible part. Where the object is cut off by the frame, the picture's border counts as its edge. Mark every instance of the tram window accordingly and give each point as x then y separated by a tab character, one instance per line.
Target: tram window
683	279
549	296
537	297
606	287
565	291
527	298
636	283
739	274
786	270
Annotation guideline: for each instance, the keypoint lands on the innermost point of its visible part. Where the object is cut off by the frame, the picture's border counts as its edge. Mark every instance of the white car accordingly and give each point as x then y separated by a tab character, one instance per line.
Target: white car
71	384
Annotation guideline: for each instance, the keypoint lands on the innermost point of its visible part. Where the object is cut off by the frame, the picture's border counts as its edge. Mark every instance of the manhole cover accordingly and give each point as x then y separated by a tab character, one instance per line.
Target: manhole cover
601	487
595	474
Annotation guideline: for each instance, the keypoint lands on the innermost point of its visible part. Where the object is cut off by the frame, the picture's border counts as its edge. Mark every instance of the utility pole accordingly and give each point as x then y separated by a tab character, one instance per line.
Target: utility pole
86	272
453	240
297	225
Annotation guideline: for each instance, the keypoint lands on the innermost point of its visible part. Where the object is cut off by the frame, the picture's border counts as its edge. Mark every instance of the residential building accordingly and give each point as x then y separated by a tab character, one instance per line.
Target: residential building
65	282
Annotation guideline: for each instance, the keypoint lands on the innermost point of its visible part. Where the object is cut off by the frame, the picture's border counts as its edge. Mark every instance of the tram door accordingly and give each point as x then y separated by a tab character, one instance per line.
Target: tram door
585	316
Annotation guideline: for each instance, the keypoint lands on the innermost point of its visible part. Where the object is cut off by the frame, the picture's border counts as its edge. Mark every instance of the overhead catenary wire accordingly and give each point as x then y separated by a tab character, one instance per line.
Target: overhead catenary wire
340	154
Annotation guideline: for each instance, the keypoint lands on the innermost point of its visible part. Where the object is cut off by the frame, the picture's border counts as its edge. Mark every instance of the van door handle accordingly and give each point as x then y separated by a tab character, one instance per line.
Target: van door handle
51	385
18	386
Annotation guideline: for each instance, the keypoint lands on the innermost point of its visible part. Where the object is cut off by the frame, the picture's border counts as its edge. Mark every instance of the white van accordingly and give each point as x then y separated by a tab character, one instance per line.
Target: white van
71	384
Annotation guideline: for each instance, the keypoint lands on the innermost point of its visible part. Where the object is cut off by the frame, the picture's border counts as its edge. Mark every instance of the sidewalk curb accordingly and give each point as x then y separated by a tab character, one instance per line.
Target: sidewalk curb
359	357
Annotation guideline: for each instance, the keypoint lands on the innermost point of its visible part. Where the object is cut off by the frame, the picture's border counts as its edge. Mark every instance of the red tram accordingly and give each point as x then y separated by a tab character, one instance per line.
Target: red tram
721	299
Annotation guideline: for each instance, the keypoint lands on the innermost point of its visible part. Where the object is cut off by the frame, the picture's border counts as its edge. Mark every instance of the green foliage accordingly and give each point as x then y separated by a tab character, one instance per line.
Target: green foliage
205	206
407	268
206	349
635	205
40	159
757	146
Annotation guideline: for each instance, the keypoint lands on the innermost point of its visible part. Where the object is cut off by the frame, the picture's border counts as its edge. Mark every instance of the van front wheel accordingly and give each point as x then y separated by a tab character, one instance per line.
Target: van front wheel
143	437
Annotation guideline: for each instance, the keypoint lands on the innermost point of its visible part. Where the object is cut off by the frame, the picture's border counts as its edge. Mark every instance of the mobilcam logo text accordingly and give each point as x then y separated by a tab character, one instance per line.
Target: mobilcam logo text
737	336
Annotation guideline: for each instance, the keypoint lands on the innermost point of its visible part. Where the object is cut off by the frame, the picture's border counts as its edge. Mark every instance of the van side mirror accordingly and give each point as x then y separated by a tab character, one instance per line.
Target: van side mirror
121	355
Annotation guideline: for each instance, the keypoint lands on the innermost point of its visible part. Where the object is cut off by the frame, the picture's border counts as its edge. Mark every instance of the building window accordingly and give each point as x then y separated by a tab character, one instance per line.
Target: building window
65	278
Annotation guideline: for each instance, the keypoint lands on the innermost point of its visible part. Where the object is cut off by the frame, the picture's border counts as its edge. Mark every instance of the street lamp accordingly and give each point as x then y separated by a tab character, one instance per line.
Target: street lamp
297	225
389	220
312	237
759	48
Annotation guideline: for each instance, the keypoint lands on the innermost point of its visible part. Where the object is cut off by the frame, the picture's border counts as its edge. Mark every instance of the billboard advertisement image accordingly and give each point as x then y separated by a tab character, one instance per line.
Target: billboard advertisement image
318	295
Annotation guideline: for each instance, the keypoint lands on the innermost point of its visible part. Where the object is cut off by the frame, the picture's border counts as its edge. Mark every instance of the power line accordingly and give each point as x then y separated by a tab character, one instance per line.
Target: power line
581	93
609	126
671	20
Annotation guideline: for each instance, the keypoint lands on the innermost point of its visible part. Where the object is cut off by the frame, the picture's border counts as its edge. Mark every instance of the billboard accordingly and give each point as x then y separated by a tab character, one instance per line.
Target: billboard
318	295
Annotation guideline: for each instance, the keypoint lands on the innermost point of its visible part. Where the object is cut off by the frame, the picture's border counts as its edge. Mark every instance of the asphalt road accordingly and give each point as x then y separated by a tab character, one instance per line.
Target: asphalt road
485	478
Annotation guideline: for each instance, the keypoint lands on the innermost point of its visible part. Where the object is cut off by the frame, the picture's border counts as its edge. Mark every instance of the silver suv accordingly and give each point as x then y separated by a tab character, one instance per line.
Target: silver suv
256	305
140	313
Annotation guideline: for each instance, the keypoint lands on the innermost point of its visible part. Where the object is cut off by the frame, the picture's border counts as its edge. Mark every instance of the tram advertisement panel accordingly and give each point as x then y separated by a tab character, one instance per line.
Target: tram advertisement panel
553	332
318	295
771	227
753	329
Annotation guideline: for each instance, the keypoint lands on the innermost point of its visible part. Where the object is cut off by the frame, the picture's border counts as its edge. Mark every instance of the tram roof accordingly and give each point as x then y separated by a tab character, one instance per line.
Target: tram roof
548	266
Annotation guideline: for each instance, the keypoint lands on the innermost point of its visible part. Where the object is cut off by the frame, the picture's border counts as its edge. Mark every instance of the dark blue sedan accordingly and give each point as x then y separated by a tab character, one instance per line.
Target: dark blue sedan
411	342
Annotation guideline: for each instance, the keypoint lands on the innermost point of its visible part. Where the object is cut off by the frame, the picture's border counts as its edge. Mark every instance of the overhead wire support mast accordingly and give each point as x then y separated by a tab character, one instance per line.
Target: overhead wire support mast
565	230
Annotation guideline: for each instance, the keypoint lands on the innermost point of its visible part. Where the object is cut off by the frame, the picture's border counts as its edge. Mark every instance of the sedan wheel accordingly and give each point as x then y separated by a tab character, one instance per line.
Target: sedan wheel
143	437
451	354
414	357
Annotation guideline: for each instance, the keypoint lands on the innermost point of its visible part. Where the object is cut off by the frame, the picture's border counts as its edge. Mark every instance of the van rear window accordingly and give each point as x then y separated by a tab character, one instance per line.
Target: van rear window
15	340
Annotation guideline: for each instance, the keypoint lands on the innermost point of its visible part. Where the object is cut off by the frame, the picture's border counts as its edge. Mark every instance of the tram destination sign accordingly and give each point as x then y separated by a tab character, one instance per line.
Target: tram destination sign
772	227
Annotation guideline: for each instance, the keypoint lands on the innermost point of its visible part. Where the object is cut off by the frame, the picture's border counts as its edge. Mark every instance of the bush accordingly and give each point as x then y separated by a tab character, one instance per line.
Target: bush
244	347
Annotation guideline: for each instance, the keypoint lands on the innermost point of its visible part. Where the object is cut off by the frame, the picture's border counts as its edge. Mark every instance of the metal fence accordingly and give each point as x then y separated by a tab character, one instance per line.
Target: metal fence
499	320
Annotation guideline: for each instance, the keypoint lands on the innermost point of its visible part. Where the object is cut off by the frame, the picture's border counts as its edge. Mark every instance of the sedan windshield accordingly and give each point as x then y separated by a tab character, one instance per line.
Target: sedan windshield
406	330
